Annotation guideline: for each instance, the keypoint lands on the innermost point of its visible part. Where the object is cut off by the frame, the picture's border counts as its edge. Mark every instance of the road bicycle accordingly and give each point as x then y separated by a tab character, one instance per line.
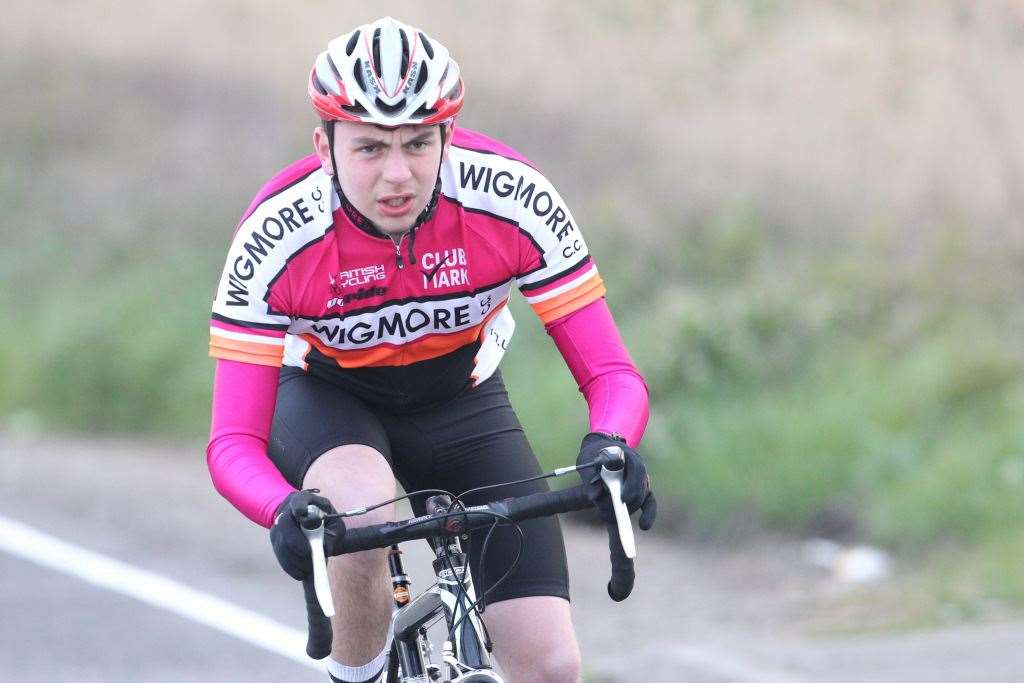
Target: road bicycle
465	652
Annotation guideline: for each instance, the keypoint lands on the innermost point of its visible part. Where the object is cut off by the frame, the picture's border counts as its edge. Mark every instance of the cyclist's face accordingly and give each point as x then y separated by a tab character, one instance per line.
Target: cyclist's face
387	174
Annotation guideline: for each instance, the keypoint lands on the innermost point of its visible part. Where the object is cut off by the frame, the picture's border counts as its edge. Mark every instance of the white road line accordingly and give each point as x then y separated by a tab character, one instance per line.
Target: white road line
159	591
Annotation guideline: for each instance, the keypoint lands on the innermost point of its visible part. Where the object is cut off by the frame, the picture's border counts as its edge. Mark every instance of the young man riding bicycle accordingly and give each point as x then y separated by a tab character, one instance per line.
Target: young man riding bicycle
358	326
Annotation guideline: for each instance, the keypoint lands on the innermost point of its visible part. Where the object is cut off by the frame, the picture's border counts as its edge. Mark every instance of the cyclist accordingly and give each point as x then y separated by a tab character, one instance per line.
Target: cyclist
358	326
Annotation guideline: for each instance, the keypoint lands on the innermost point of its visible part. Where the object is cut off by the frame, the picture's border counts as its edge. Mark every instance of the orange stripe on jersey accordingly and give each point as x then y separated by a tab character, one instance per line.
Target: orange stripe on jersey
378	355
247	352
428	347
562	305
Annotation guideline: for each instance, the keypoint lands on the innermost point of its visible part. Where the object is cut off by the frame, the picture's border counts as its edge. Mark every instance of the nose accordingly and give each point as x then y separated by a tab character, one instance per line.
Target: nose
396	166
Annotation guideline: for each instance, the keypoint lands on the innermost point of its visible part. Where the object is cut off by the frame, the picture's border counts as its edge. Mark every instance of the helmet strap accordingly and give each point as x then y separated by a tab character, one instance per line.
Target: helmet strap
329	126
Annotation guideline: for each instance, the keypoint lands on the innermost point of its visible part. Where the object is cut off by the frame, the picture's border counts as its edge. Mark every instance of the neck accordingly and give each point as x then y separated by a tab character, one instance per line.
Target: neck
369	227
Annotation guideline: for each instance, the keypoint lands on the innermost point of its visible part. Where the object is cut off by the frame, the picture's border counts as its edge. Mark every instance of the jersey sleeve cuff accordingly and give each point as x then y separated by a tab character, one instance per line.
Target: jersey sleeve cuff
259	350
551	309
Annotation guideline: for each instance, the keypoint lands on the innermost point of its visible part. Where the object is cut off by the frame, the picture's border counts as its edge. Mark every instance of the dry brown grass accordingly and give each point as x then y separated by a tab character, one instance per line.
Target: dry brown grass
829	119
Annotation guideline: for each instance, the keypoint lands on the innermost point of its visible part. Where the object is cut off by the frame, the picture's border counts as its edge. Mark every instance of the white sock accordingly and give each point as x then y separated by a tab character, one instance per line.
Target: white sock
367	673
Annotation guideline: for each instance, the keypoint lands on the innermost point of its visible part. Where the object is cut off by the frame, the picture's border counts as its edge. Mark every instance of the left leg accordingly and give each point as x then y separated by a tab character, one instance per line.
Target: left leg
534	639
476	440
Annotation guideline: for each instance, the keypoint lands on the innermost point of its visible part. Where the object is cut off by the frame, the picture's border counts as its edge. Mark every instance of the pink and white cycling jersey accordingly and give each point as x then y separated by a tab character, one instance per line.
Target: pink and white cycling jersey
310	283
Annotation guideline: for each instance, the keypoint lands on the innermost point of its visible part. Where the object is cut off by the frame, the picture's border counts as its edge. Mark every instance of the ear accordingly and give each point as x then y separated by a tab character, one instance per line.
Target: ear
449	134
322	147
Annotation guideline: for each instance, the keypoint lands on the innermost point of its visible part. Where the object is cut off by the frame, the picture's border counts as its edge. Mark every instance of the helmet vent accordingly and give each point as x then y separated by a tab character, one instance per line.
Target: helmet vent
351	46
390	108
355	108
427	46
421	80
334	69
405	54
376	54
357	73
423	112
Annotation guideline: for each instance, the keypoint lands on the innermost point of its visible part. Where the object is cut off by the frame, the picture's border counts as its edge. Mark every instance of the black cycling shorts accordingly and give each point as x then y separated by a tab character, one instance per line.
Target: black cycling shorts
473	440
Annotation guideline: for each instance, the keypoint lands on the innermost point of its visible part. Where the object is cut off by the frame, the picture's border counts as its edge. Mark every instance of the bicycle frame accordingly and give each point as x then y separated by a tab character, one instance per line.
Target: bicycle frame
450	598
466	658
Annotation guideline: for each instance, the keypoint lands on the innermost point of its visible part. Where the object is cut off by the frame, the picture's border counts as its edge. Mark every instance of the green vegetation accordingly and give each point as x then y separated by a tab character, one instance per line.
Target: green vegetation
125	353
778	399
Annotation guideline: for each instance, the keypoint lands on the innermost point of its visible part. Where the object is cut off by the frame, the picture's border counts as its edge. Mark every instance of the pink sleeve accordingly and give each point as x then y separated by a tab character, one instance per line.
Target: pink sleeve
615	391
244	395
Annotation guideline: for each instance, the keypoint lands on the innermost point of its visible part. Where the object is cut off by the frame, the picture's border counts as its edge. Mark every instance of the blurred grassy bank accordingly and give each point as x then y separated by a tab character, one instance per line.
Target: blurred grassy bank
812	242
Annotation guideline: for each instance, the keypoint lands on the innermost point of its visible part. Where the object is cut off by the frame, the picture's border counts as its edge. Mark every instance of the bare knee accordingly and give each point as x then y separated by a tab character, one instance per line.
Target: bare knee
559	664
534	639
364	569
360	576
352	476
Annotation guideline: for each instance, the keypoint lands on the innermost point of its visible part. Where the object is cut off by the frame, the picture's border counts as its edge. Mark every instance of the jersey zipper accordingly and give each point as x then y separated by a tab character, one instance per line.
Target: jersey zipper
398	249
398	264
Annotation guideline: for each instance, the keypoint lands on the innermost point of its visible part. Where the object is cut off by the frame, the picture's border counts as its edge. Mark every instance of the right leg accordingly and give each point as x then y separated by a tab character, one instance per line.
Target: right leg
326	439
355	476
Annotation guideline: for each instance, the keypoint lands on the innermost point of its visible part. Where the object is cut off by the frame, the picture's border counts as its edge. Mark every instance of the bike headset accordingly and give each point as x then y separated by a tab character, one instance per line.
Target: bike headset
389	74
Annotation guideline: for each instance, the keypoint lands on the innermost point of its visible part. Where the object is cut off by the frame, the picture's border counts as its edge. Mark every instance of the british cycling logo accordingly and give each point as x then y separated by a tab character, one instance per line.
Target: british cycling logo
445	268
355	277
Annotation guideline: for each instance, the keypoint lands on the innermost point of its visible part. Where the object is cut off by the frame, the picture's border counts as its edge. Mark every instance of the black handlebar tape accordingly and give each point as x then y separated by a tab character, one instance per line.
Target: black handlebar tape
623	575
527	507
318	642
544	503
374	536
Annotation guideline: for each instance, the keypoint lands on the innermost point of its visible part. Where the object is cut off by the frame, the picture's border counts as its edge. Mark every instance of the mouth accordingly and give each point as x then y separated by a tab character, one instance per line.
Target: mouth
395	205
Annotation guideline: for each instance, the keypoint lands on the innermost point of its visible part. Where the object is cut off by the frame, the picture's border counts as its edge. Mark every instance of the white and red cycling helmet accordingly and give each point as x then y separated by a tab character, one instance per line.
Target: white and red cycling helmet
387	73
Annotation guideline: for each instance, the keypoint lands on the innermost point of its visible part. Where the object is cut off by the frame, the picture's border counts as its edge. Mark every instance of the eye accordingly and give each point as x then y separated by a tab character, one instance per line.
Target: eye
418	145
368	149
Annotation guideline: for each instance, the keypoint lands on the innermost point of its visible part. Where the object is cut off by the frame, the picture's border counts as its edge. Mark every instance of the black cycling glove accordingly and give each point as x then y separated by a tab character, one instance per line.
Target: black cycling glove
286	536
636	484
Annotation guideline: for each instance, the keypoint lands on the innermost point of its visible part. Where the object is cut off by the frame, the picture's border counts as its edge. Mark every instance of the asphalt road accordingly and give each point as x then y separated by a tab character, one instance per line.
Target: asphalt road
724	617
